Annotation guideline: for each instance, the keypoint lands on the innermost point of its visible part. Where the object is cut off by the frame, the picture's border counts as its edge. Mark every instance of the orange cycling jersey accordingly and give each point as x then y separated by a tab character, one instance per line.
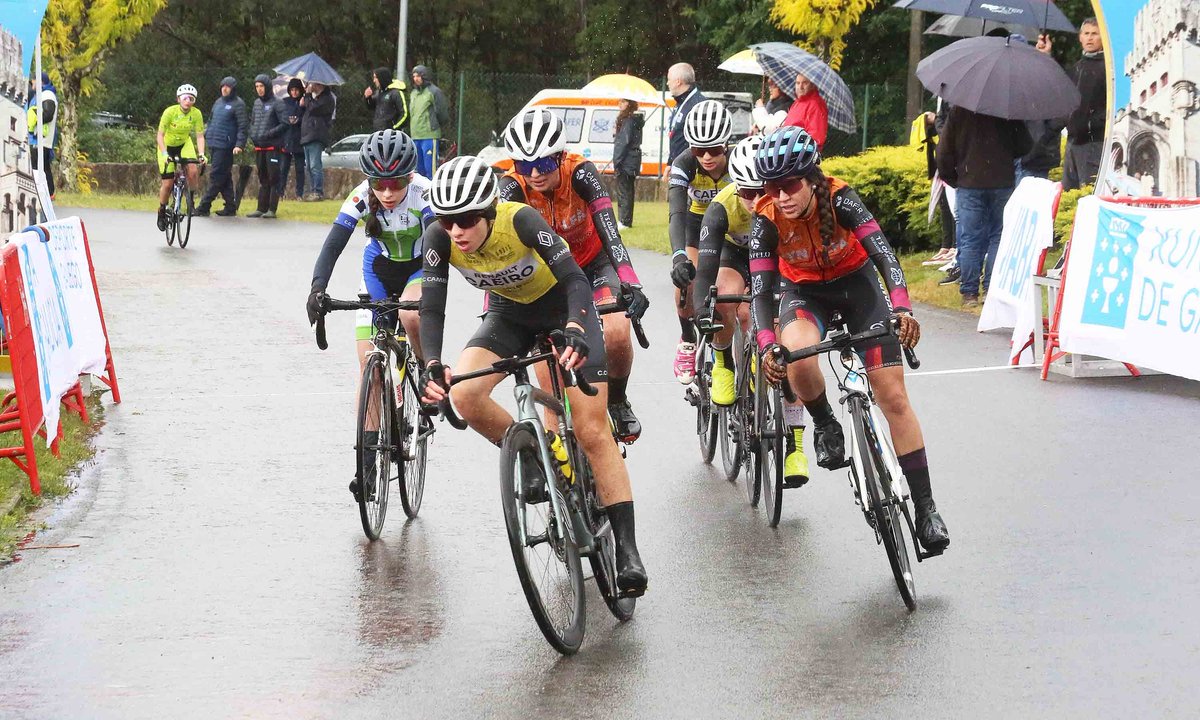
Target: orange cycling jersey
803	257
566	211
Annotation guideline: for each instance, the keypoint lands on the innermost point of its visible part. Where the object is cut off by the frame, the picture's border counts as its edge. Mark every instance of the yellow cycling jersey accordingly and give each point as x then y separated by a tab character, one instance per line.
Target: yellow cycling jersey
701	189
504	264
739	217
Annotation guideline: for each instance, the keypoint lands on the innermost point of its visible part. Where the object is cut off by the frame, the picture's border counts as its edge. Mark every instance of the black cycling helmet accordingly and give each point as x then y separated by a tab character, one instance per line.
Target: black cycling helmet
388	154
786	152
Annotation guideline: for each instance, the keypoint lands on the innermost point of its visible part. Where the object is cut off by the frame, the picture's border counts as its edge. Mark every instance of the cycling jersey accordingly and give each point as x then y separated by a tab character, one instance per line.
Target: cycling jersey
724	240
399	240
521	261
795	249
178	127
689	192
579	210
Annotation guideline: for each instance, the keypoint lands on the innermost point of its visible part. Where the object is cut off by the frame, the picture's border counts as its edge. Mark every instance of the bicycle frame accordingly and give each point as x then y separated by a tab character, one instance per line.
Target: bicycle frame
855	388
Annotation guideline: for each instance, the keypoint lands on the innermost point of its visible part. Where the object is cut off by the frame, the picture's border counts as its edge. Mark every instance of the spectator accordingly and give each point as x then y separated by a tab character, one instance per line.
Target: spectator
770	115
1085	126
49	101
627	159
293	152
267	128
223	138
975	155
809	111
430	113
1047	136
387	99
318	106
924	134
681	82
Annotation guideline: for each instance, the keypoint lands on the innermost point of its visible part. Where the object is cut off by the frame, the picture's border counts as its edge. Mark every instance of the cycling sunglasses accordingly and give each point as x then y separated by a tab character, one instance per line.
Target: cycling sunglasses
750	194
791	186
715	151
396	183
544	166
466	220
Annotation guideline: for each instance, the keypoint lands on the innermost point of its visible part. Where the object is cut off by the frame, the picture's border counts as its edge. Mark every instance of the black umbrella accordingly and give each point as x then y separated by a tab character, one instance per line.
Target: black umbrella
996	76
1042	13
959	26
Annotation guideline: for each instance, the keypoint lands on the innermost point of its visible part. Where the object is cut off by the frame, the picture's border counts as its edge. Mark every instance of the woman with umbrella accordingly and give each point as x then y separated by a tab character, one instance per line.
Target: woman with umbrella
817	233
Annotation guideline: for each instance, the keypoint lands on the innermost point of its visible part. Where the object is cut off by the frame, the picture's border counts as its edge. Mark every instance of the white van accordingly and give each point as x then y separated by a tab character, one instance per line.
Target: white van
591	125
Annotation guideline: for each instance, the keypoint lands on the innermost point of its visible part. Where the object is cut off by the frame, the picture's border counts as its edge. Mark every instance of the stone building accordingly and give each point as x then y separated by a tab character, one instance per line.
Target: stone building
18	193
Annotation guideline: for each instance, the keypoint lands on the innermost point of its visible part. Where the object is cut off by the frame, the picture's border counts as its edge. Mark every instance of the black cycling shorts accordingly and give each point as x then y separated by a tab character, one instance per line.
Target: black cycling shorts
736	258
606	285
860	298
510	328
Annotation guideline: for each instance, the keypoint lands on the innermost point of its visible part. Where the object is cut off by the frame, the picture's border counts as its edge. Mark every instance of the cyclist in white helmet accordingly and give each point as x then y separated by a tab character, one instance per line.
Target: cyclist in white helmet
696	178
534	285
177	127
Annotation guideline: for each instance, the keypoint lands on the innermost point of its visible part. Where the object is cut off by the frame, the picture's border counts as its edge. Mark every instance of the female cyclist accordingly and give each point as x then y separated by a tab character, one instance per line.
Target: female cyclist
534	286
395	204
815	232
176	128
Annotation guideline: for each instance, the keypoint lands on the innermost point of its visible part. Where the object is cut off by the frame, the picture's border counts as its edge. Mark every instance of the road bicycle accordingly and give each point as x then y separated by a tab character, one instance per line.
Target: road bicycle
181	204
552	513
880	488
389	405
699	392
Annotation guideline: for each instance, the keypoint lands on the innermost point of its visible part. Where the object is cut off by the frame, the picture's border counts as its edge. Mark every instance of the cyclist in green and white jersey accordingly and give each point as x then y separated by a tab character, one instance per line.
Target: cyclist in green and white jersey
176	128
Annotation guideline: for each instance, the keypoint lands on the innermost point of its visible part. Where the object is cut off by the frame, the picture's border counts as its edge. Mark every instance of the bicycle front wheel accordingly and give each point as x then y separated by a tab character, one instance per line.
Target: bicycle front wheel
543	547
730	436
375	445
746	407
415	429
706	420
172	217
889	525
183	215
771	451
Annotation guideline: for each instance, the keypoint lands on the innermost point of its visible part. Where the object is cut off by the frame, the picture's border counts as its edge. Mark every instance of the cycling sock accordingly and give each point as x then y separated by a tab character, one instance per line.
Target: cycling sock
616	390
820	410
687	331
916	470
726	355
793	415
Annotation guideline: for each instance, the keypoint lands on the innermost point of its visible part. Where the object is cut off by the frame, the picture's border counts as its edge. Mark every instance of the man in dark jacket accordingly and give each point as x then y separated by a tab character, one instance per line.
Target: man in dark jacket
430	113
318	105
681	82
386	98
225	136
1085	127
293	153
975	155
268	125
1045	155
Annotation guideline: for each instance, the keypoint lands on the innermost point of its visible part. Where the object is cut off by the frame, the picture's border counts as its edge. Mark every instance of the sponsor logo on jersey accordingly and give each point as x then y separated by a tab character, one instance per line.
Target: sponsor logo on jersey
545	239
516	274
431	257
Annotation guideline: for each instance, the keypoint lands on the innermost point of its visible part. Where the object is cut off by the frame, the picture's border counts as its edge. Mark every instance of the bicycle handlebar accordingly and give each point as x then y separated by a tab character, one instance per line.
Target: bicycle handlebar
843	341
329	304
635	322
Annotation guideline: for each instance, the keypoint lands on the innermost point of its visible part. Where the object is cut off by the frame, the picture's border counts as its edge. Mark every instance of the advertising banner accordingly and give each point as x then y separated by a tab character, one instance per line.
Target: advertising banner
1134	293
1028	230
67	330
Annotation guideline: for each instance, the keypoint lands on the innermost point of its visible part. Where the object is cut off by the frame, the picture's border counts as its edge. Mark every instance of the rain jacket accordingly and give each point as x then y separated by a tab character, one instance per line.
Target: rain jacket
49	98
269	123
227	122
811	113
290	107
1086	124
977	151
318	117
430	110
627	146
389	104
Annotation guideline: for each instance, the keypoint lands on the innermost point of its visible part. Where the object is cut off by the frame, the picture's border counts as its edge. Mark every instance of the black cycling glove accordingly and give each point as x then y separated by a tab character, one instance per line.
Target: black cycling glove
683	272
435	372
634	300
314	306
575	339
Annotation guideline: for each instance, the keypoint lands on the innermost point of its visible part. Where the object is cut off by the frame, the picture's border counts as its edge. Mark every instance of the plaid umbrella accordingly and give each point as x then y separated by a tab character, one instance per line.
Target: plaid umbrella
783	62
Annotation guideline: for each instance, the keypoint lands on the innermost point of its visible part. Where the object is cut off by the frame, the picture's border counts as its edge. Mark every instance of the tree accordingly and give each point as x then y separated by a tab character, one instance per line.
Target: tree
821	24
77	35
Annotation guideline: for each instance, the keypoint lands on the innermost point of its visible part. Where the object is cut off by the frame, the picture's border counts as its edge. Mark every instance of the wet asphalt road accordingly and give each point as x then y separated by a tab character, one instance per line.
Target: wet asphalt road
222	571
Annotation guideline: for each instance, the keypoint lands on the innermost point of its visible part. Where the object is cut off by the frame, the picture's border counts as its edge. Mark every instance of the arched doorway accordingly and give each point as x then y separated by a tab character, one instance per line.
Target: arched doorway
1144	160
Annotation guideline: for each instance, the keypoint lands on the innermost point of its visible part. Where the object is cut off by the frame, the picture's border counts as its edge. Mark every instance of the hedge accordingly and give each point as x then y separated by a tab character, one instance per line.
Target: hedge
117	144
893	182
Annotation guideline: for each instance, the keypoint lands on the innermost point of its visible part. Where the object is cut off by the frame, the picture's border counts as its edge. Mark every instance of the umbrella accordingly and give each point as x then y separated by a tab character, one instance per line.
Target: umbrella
995	76
959	26
782	62
742	63
625	87
1041	13
310	68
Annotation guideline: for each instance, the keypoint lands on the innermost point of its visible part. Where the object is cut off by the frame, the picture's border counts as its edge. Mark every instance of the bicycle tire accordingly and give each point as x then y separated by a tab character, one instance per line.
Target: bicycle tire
520	458
604	558
172	226
730	440
185	221
751	482
771	444
889	526
376	384
706	429
414	430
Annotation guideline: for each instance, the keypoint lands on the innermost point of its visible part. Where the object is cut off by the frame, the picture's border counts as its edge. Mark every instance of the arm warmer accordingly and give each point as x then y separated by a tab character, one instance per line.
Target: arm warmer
335	243
853	215
712	239
510	190
764	276
586	184
435	276
683	169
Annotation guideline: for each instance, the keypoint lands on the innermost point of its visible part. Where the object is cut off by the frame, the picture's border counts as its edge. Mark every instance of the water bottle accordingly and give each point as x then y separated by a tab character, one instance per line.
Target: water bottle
559	451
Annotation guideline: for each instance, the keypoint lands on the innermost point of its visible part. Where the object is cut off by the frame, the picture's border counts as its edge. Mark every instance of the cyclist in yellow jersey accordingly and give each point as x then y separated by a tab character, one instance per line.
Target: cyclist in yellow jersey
534	285
696	178
176	128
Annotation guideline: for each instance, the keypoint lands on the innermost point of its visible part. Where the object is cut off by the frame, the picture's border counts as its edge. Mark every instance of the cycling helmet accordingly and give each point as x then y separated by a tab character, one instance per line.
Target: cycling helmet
387	154
534	134
465	183
708	124
786	152
741	163
186	89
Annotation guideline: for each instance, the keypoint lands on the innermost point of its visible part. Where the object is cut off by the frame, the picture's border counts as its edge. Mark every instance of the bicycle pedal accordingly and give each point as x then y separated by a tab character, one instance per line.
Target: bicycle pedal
792	484
636	593
923	555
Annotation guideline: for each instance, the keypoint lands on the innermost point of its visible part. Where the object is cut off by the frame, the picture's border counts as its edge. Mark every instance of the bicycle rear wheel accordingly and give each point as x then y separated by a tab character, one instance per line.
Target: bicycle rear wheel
543	547
889	526
771	451
184	218
415	429
746	409
729	434
604	557
375	467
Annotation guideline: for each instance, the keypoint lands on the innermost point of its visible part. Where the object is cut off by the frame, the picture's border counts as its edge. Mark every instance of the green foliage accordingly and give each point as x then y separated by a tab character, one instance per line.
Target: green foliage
893	183
1065	220
753	24
117	144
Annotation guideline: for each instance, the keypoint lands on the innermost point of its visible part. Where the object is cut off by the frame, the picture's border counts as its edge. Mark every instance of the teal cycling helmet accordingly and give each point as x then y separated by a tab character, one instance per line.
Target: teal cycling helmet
786	152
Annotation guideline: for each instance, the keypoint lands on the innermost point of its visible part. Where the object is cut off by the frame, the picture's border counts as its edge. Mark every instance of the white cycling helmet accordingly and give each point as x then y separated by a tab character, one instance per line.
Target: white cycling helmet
534	134
708	124
465	183
186	89
741	163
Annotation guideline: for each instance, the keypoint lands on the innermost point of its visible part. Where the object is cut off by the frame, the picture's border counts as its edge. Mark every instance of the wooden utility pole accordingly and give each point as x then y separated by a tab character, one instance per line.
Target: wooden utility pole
912	107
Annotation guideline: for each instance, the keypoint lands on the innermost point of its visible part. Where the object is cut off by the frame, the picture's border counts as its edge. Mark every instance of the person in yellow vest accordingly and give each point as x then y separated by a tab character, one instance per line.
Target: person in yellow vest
43	154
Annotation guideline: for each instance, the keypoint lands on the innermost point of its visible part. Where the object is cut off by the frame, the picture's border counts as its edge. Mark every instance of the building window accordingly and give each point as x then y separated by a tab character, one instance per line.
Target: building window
1153	88
1163	80
1143	97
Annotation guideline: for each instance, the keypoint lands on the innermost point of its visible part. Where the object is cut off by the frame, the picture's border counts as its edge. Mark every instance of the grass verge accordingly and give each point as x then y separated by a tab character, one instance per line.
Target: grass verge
55	473
323	211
